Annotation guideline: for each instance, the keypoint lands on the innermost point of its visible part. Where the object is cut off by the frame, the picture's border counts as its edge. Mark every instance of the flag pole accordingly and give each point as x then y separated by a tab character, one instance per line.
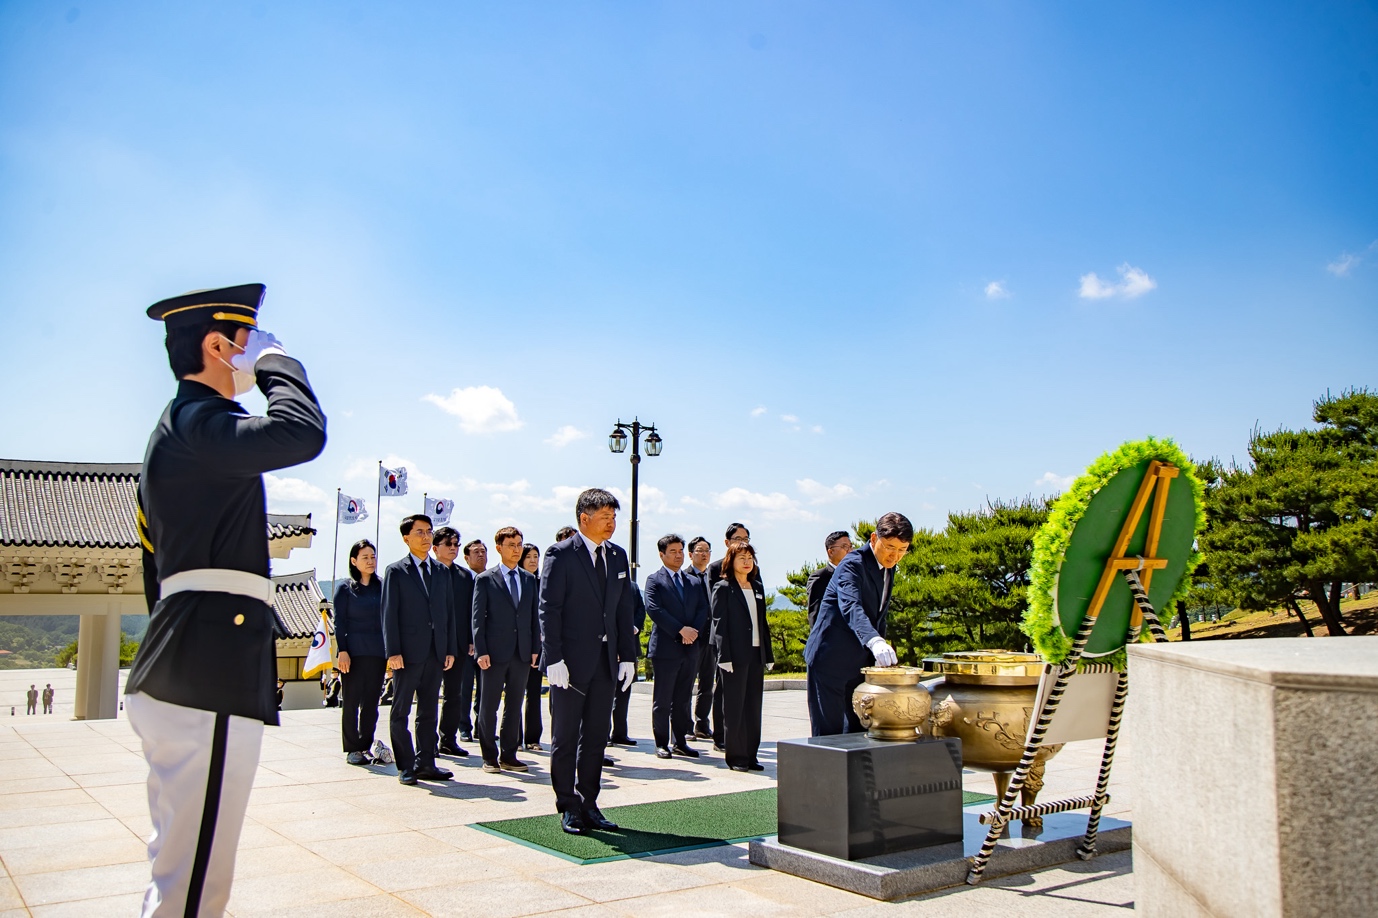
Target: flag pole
335	559
378	521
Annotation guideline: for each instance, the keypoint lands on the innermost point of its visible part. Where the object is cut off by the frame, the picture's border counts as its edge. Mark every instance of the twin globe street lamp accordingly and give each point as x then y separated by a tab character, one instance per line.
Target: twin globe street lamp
617	442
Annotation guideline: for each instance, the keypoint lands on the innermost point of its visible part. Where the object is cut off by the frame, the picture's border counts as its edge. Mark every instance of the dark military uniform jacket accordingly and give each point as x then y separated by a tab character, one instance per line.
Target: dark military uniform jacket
202	505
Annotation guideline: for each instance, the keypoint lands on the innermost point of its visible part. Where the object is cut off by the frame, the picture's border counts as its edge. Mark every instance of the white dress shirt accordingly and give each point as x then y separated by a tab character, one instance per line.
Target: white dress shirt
753	605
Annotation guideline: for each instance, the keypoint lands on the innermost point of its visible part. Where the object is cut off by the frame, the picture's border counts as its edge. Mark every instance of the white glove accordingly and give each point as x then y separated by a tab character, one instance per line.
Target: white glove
769	667
260	344
558	674
885	654
626	674
725	667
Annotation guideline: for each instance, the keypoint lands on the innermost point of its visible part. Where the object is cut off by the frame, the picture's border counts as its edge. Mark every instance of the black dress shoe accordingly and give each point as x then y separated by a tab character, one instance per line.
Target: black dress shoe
756	766
739	768
607	760
466	735
452	749
718	748
681	749
573	823
622	741
407	777
596	820
662	752
431	773
702	733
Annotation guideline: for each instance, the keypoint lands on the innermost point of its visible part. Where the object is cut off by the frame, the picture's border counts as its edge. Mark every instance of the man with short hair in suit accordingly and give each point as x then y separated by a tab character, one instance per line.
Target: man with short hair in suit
507	638
850	631
590	646
679	614
837	544
419	639
453	705
470	686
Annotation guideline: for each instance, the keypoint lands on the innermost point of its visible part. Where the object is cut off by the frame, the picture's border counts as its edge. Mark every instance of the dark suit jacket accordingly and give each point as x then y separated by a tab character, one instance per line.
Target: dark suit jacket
732	624
669	614
462	583
817	586
503	630
575	613
853	612
414	623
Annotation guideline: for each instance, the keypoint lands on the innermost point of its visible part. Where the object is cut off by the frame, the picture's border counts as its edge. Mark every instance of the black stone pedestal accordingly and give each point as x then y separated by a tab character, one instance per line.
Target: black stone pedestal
850	796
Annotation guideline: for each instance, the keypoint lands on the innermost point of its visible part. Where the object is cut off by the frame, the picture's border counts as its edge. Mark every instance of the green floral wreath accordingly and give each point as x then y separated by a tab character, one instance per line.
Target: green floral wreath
1052	540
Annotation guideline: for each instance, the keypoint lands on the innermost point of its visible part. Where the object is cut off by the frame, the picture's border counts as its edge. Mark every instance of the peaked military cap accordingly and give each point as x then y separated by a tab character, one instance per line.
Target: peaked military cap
226	304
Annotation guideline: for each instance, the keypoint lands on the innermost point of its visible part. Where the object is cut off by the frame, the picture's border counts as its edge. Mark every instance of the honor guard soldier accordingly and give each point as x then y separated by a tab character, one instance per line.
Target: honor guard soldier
202	685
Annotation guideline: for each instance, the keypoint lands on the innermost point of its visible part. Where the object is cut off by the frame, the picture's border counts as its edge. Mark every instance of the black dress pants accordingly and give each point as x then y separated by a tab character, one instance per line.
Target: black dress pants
671	720
579	720
505	682
708	694
460	682
534	726
362	686
742	690
830	703
621	703
419	679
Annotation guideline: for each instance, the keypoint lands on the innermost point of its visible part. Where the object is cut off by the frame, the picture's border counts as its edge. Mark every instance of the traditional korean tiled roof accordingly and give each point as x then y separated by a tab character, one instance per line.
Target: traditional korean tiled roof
296	604
89	505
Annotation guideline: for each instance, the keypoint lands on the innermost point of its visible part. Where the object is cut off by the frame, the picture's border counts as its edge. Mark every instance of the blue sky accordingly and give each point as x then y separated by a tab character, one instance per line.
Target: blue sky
849	258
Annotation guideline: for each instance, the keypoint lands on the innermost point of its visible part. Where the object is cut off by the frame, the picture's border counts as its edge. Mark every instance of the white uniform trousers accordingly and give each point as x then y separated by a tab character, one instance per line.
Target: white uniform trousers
200	770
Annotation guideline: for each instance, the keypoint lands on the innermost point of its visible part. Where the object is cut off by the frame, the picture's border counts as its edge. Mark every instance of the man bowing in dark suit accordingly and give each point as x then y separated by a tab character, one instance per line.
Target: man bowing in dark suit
590	645
850	630
837	544
679	614
419	639
506	646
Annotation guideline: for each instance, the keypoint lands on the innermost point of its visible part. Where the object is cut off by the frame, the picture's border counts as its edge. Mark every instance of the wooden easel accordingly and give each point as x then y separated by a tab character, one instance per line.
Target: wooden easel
1138	572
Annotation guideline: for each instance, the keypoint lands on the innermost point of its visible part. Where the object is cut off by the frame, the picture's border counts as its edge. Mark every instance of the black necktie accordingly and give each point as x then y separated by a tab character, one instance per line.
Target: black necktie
512	588
679	586
425	577
601	567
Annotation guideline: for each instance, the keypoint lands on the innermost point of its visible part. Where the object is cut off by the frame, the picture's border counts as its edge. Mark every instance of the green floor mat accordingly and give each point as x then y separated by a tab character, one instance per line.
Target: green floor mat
659	828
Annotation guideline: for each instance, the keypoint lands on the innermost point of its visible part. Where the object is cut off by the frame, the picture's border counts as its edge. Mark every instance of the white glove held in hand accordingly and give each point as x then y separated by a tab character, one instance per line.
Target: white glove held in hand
769	667
725	667
626	674
558	674
885	654
260	344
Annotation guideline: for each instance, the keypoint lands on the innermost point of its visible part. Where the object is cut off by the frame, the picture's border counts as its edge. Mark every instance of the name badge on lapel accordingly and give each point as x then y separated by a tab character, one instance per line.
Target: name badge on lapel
622	575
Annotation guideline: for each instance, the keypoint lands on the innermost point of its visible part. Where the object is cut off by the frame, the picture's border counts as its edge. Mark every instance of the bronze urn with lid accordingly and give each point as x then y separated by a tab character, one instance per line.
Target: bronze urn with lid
891	702
986	697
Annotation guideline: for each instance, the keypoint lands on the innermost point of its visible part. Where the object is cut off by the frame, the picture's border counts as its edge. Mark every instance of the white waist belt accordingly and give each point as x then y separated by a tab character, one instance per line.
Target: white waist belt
219	580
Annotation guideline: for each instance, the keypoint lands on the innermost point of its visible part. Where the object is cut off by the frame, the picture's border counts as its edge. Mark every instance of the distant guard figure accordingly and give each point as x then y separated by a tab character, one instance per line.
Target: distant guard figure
837	545
851	625
202	684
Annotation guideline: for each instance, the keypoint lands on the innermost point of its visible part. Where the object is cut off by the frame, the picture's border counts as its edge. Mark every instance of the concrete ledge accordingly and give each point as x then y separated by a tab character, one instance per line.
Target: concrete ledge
772	685
909	873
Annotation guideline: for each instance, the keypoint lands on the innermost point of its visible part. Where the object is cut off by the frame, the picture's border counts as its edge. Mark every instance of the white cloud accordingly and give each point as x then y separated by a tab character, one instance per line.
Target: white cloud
818	493
772	506
417	480
996	290
758	411
294	490
561	499
1134	283
480	409
565	436
1054	481
1348	261
653	500
817	428
789	418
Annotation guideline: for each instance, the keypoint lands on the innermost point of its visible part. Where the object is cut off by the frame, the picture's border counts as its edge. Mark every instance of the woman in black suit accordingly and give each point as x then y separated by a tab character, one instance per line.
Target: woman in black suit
742	634
359	639
532	727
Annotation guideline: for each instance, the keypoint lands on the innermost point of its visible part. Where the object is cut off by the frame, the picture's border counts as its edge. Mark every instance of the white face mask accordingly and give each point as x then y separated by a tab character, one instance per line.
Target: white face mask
243	382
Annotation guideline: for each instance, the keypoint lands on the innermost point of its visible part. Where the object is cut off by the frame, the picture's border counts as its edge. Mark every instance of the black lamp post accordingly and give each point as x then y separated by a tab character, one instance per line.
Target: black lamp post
617	442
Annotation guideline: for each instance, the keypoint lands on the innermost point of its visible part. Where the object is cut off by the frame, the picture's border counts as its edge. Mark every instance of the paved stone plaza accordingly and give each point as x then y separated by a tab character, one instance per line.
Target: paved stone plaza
324	838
